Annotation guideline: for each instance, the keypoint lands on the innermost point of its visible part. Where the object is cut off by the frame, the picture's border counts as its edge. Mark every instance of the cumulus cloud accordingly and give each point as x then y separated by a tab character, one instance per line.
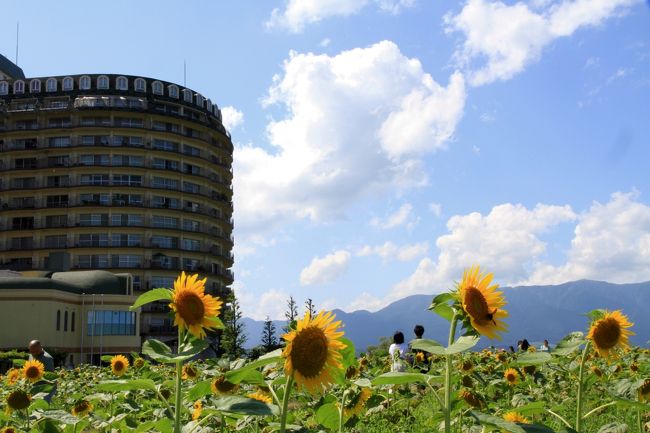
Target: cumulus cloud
611	243
510	37
340	139
325	270
257	306
231	117
299	13
365	301
398	218
389	251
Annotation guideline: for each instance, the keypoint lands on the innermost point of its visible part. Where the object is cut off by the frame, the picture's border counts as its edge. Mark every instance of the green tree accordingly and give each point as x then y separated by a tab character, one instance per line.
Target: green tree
234	335
310	307
291	314
269	340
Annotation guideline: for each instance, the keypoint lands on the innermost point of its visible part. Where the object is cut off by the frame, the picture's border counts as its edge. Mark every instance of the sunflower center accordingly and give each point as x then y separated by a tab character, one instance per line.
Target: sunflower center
32	372
476	305
510	377
309	351
607	333
18	400
190	307
118	366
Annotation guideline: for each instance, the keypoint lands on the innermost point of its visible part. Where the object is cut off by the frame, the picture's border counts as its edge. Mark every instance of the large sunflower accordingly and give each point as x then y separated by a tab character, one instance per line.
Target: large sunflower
609	333
313	351
515	417
357	403
260	396
33	370
482	303
18	400
82	408
194	309
119	365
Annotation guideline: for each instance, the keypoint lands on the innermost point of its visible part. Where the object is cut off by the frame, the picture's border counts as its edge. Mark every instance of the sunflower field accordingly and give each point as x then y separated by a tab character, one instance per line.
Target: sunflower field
591	381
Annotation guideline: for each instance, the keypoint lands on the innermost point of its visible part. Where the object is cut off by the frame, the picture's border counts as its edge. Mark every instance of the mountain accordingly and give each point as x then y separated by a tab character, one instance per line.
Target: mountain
536	313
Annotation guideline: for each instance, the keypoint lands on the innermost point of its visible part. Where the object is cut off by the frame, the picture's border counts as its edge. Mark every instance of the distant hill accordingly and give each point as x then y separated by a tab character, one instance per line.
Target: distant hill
536	313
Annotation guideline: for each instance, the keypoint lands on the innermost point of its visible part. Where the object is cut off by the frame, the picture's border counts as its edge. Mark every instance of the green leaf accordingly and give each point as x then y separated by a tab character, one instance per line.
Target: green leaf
48	426
463	343
531	358
532	408
442	298
569	344
427	345
199	390
444	311
536	428
246	375
245	406
596	314
348	354
151	296
614	427
494	421
163	353
239	374
60	416
363	382
328	416
126	385
165	425
631	403
399	378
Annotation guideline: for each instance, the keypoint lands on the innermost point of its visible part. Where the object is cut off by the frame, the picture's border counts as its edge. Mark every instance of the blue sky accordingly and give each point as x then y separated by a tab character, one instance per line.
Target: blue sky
384	145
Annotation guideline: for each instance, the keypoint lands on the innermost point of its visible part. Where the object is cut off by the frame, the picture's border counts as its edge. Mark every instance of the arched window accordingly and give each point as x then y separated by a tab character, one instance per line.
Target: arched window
208	105
72	322
215	109
173	91
68	83
4	88
187	95
122	83
140	85
84	82
19	86
102	82
198	100
51	85
157	88
58	320
65	322
35	85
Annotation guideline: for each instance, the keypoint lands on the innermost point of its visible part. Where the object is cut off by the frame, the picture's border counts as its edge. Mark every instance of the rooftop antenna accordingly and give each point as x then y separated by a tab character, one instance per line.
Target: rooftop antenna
184	73
17	31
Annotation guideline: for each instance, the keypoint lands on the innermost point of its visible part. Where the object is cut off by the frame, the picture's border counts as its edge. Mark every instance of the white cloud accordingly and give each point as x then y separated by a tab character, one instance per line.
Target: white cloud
436	209
340	139
510	37
390	251
325	42
270	303
325	270
620	73
398	218
611	243
299	13
365	301
231	117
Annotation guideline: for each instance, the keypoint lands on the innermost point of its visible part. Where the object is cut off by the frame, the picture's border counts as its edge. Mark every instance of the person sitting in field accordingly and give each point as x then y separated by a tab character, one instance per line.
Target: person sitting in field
397	352
544	347
419	357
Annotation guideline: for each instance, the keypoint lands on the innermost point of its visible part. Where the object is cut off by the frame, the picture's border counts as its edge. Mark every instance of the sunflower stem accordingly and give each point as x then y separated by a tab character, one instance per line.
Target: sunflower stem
341	412
447	406
581	372
285	404
179	374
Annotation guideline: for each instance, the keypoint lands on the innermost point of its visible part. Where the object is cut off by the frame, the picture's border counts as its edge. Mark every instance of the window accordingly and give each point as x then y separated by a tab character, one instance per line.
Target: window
51	85
91	199
191	225
191	244
163	182
191	206
103	322
4	88
165	202
59	141
191	169
65	322
161	282
137	284
54	221
166	164
191	187
127	220
126	261
58	181
128	160
199	100
84	82
93	219
23	243
22	223
164	222
72	323
102	82
127	179
93	240
101	159
122	83
126	240
58	122
23	182
157	88
68	83
127	199
58	320
164	242
187	95
167	145
35	85
57	201
140	85
22	163
127	122
191	150
19	86
93	179
56	241
173	91
93	261
191	264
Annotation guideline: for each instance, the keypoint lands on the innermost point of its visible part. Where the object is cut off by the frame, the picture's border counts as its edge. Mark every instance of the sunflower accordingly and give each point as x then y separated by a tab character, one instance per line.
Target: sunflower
119	365
515	417
18	400
467	381
81	408
419	357
221	386
466	366
529	369
260	396
194	309
609	333
357	403
8	429
33	370
190	372
138	362
13	375
313	351
597	371
471	398
198	408
351	372
644	391
482	303
501	357
511	376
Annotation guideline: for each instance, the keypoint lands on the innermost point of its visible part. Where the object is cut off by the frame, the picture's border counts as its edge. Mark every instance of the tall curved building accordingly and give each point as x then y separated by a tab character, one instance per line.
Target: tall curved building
114	172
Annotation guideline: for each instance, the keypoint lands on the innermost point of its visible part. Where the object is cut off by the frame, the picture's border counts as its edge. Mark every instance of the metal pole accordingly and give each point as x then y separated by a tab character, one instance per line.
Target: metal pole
83	328
92	342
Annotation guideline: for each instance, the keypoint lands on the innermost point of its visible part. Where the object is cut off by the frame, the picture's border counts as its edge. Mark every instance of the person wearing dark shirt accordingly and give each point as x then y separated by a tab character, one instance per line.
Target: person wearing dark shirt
36	353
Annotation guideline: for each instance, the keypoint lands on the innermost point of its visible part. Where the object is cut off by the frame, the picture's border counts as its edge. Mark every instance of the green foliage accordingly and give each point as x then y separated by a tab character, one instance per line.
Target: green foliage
233	336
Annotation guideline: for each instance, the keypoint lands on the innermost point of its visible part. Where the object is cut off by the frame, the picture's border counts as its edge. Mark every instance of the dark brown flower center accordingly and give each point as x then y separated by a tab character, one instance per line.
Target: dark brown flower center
476	305
18	400
309	351
118	365
190	307
32	372
607	333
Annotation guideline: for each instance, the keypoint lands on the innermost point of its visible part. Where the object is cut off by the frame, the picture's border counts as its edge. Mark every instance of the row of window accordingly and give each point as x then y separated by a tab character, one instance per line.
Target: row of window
103	82
104	240
65	321
103	219
106	322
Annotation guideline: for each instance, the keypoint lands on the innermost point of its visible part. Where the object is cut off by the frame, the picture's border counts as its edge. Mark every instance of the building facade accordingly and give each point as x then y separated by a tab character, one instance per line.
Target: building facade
84	314
115	172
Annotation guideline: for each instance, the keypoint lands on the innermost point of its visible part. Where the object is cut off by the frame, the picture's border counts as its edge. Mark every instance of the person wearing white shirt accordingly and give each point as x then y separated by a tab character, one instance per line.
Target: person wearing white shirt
397	352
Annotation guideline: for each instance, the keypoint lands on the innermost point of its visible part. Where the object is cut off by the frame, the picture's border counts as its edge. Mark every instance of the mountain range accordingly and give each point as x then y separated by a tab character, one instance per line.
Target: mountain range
536	313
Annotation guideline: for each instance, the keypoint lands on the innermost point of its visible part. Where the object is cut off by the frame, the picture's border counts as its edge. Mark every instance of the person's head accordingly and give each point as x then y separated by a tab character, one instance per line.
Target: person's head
512	349
35	348
525	345
519	343
418	331
545	342
398	337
